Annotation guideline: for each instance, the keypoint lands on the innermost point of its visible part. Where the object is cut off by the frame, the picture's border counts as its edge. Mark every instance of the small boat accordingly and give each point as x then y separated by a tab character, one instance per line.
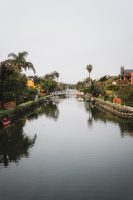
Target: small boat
5	121
78	95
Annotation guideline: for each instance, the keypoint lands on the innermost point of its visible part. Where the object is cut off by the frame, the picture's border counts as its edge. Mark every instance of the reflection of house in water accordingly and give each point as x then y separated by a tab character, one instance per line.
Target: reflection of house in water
14	144
97	114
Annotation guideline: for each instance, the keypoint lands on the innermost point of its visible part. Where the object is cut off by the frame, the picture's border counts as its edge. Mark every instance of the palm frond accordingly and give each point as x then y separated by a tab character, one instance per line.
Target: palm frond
89	68
30	66
24	53
13	55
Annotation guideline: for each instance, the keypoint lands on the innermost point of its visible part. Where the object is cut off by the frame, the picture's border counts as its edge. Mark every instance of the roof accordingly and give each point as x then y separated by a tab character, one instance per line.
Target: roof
128	70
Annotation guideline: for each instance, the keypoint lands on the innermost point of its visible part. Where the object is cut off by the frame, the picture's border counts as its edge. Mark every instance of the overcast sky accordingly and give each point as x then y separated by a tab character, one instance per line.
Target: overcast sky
66	35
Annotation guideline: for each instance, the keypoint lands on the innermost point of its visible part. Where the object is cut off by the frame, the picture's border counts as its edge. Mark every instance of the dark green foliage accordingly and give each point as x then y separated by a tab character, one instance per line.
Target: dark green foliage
97	89
37	80
126	94
19	60
12	83
49	85
104	78
30	94
113	87
80	86
52	75
107	97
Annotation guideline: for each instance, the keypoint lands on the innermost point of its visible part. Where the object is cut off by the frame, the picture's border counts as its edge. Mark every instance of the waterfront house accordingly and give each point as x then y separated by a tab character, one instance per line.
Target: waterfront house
30	83
127	75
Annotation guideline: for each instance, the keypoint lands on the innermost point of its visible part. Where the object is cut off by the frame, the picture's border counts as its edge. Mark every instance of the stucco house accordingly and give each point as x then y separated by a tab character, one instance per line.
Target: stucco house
30	83
127	75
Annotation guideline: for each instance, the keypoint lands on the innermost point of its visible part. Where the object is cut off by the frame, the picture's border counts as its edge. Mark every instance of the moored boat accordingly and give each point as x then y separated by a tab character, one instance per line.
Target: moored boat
5	121
78	95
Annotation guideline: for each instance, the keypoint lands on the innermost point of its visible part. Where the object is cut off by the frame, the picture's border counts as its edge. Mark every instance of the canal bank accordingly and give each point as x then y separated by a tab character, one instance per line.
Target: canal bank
24	108
116	109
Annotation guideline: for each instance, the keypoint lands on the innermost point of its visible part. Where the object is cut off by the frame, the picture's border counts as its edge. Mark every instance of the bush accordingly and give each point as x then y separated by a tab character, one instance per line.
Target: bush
49	85
31	94
113	87
126	94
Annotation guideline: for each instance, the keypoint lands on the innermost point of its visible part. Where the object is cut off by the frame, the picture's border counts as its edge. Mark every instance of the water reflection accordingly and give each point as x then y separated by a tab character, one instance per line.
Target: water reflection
95	114
49	110
14	144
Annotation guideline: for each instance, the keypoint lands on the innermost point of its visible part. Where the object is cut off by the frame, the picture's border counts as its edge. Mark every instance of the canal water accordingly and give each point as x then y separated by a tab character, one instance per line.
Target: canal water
67	150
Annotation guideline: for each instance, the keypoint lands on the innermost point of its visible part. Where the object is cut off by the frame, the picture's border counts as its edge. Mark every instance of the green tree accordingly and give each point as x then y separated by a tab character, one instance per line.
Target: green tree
20	61
89	69
56	74
52	75
48	85
12	83
126	94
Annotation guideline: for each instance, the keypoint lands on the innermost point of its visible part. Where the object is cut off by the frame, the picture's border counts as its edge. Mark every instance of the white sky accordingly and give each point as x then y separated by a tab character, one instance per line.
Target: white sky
66	35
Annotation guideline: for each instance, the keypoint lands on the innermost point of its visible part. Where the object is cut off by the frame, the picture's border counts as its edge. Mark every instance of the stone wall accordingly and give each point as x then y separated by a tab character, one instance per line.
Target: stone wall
119	110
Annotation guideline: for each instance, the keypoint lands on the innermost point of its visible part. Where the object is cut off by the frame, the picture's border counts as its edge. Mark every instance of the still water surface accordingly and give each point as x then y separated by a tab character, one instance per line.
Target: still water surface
67	150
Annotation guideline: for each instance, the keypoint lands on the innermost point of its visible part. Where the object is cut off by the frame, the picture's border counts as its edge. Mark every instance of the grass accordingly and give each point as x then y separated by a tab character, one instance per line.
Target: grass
23	108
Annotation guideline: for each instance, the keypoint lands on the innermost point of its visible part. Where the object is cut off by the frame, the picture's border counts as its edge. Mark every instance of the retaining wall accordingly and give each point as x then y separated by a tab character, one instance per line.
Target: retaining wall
119	110
22	109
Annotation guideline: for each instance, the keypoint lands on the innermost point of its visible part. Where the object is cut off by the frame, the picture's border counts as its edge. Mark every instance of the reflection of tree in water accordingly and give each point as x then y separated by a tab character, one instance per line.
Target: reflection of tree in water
49	109
88	109
14	144
126	128
95	114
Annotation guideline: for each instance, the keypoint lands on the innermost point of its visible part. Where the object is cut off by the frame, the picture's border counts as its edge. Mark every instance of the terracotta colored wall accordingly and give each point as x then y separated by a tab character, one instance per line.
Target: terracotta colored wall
124	77
11	104
132	78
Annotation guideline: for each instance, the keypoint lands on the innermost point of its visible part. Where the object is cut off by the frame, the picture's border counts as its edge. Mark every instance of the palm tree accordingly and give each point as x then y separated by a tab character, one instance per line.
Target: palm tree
52	75
56	74
89	69
20	61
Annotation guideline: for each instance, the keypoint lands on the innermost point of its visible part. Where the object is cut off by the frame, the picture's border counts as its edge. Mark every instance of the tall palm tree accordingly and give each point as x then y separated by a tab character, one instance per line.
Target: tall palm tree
56	74
89	69
20	61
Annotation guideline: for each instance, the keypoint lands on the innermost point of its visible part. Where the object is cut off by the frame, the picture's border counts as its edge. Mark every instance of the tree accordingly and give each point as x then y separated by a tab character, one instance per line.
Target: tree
12	83
56	74
49	85
20	61
89	69
37	79
52	75
126	94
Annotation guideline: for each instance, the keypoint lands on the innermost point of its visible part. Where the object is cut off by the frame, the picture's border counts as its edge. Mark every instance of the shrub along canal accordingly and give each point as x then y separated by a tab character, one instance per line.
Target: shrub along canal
67	150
